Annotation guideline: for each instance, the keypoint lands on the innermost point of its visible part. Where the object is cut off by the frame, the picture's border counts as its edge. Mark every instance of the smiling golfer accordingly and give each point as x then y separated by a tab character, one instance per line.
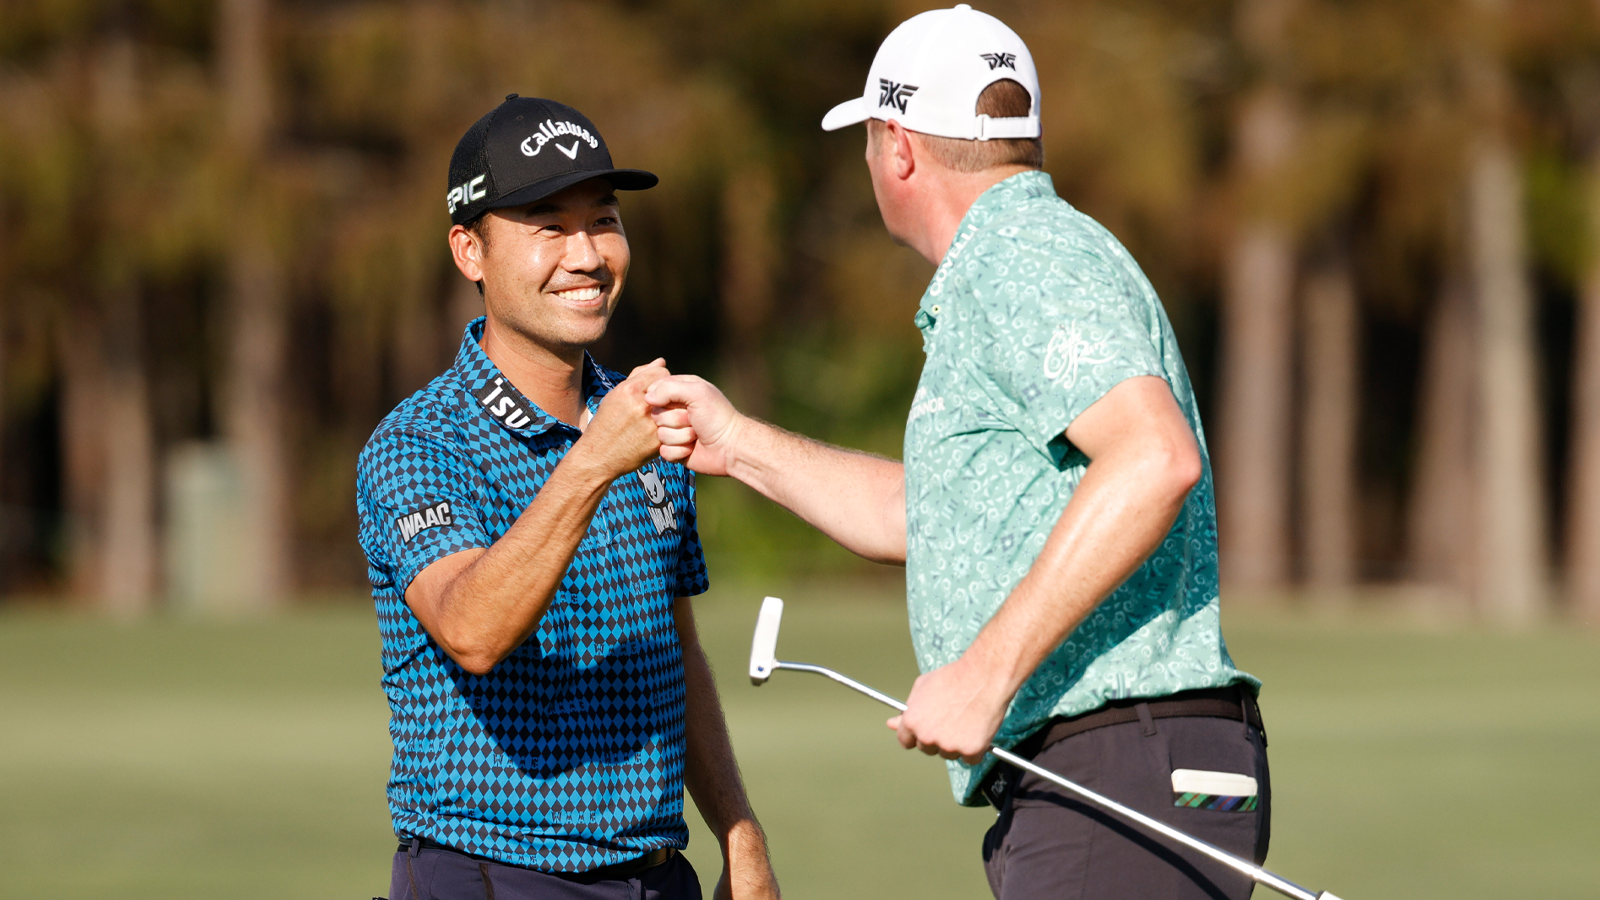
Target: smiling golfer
531	559
1054	511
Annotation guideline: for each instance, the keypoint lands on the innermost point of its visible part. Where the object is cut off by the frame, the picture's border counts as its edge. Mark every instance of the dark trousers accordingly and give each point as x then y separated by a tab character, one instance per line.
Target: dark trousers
430	874
1049	843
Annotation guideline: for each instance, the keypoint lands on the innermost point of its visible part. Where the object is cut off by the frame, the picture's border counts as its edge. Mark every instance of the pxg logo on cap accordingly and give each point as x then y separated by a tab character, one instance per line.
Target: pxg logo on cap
930	70
503	159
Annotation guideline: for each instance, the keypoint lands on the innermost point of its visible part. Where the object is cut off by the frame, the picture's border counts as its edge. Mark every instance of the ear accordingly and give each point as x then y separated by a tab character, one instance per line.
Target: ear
902	156
467	250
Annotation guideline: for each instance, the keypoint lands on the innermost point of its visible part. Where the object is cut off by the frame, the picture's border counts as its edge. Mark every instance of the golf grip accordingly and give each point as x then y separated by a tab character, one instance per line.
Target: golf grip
1253	871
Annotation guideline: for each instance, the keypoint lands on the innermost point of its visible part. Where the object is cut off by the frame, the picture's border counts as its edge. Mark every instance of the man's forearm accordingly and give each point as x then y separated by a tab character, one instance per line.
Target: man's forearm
481	604
491	605
1120	512
711	773
856	498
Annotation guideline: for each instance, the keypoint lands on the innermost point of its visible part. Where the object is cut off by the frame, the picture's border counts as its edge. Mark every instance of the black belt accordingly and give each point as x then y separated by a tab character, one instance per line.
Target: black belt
1235	702
614	872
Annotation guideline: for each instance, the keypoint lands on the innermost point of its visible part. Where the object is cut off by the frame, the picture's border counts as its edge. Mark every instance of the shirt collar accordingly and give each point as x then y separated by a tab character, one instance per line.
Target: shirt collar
1018	189
495	396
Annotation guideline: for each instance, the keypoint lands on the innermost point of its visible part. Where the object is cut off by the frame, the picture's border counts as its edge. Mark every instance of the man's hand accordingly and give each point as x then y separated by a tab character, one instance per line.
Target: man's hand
855	498
696	424
621	437
954	711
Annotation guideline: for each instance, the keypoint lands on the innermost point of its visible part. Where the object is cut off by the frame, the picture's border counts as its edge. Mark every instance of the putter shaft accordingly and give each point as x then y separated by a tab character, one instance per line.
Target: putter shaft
1245	867
845	680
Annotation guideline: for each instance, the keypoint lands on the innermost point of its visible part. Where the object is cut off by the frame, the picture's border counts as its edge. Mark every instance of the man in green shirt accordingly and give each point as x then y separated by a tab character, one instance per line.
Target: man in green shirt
1055	510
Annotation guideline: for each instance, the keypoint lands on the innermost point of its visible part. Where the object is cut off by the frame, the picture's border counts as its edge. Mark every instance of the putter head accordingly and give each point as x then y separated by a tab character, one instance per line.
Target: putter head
764	646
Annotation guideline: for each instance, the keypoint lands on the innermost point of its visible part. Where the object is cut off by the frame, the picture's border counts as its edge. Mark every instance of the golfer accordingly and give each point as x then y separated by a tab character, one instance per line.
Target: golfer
1054	511
532	558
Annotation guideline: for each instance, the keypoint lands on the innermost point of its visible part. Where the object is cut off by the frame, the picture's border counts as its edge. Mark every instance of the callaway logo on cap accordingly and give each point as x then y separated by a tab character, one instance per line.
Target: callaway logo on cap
929	72
526	149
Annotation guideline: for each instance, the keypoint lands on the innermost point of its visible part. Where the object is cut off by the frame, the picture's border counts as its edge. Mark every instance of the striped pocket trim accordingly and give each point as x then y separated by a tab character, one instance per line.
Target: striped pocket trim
1193	800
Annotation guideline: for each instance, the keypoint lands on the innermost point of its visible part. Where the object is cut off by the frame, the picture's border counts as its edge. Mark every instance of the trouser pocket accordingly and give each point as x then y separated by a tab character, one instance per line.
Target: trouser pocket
1048	842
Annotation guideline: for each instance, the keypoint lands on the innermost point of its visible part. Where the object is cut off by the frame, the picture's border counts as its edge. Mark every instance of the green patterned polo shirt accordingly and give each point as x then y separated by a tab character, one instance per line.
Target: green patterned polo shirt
1034	314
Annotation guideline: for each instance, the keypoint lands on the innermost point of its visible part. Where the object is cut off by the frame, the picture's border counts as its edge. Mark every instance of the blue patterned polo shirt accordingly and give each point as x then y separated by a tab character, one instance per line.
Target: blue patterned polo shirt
568	754
1034	314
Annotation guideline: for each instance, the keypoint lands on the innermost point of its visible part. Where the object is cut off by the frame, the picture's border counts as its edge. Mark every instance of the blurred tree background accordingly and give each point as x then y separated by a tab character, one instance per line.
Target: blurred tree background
1375	224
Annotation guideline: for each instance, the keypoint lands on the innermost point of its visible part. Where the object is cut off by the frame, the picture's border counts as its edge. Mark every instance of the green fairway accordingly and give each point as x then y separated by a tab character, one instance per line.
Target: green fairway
207	760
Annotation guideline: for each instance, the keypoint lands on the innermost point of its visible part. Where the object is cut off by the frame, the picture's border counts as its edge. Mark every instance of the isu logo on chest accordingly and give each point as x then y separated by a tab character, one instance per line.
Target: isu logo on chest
505	404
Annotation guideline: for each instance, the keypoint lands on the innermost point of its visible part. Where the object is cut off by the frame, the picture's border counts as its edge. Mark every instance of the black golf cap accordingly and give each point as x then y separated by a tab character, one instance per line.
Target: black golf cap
526	149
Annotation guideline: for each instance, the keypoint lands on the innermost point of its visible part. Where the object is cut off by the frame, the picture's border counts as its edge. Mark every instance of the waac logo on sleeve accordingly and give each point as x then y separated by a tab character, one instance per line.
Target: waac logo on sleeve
505	404
663	512
431	516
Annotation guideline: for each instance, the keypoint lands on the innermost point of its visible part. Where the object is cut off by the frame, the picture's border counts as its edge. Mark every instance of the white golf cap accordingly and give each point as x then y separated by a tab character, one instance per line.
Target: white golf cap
929	72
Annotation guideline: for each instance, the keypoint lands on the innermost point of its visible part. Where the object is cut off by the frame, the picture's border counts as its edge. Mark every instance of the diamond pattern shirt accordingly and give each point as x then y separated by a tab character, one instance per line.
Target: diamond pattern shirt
1034	314
567	755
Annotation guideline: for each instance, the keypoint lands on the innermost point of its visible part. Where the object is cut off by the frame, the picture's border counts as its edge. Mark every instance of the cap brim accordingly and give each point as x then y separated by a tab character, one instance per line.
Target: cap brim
849	112
621	179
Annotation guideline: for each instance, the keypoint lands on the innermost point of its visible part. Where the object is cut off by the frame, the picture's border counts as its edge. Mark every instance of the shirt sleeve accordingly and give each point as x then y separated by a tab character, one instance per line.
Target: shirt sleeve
1059	328
415	498
691	574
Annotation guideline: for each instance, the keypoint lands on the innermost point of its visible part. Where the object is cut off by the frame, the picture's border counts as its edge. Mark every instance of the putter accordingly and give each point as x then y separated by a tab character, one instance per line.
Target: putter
764	661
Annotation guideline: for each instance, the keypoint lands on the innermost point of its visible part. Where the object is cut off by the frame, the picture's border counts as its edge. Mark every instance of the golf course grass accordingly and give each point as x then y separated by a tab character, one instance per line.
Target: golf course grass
177	759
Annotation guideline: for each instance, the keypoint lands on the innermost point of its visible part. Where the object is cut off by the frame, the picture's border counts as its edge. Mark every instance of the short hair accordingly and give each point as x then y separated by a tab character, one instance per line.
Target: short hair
1004	99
